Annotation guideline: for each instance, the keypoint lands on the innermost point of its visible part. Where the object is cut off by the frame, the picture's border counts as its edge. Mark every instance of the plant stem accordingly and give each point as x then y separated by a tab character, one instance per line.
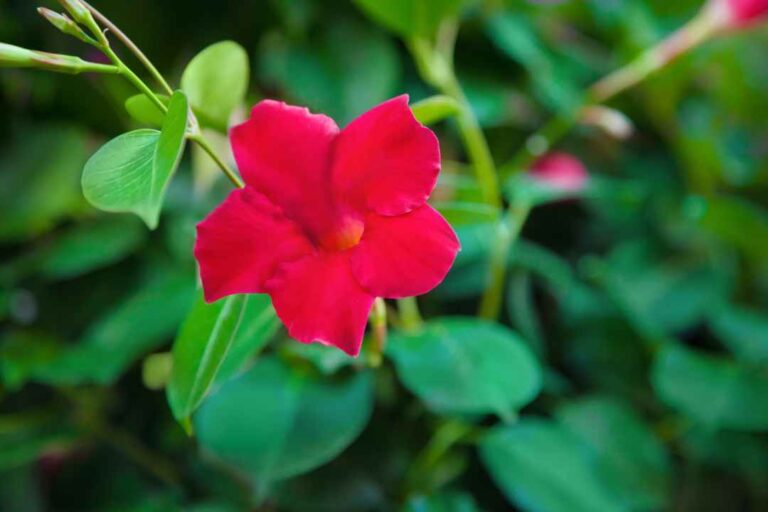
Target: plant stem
131	46
228	171
508	231
691	35
410	316
137	82
435	65
379	326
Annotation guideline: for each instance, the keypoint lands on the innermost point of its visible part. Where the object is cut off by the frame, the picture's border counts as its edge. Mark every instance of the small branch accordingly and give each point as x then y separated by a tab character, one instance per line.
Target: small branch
410	316
229	172
131	46
508	232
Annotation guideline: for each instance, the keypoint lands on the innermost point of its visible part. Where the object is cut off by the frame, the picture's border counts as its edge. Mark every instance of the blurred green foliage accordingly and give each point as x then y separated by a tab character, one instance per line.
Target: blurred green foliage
628	371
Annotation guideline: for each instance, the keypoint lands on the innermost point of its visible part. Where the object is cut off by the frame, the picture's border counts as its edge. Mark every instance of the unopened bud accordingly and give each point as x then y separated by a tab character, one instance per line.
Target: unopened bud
16	57
560	171
65	24
83	16
613	122
735	14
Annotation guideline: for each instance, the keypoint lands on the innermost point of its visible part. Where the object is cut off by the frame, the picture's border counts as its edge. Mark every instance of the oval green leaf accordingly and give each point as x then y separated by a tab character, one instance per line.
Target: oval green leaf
131	172
411	17
542	467
216	81
141	109
715	391
199	351
467	366
630	459
275	422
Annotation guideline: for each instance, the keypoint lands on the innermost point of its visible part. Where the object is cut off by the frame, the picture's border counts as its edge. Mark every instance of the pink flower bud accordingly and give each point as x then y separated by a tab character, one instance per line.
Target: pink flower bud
742	13
560	171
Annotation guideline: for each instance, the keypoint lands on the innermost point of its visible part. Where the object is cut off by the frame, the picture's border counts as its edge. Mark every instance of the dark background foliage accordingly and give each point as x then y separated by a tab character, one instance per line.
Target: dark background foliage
644	300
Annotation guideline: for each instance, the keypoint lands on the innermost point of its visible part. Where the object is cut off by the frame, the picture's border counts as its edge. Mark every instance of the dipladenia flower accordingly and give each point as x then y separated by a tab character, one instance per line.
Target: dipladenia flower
560	171
329	219
742	13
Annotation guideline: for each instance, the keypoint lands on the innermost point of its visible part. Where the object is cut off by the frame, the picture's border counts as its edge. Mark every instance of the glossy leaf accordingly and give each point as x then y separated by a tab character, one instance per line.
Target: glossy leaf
712	390
466	366
216	81
274	422
542	467
199	350
257	327
131	172
630	459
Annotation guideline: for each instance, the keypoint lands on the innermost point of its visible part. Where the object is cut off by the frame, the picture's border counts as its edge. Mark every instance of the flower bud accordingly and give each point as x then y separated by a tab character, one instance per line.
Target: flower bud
83	16
561	172
17	57
739	13
64	24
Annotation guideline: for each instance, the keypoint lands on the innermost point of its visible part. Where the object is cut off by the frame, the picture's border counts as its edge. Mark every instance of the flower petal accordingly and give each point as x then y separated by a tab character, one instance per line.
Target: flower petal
241	243
285	153
318	299
385	160
405	255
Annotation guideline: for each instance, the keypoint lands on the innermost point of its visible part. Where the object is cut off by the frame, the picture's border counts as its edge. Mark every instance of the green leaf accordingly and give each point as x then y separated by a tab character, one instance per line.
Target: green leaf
630	460
199	351
411	17
257	328
466	366
743	331
39	175
72	254
542	467
435	108
143	110
275	422
131	172
735	221
140	323
715	391
330	75
444	502
216	81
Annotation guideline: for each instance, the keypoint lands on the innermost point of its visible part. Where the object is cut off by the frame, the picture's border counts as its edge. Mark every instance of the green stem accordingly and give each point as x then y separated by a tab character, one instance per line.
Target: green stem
134	79
228	171
475	143
131	46
379	326
508	232
435	65
446	436
691	35
410	316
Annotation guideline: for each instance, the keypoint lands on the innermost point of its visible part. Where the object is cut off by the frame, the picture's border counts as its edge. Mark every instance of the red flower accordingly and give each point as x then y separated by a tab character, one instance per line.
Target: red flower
742	13
560	171
329	219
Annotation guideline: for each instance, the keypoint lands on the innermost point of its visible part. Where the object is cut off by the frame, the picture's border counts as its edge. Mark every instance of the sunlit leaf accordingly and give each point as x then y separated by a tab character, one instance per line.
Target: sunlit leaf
411	17
141	109
131	172
216	81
